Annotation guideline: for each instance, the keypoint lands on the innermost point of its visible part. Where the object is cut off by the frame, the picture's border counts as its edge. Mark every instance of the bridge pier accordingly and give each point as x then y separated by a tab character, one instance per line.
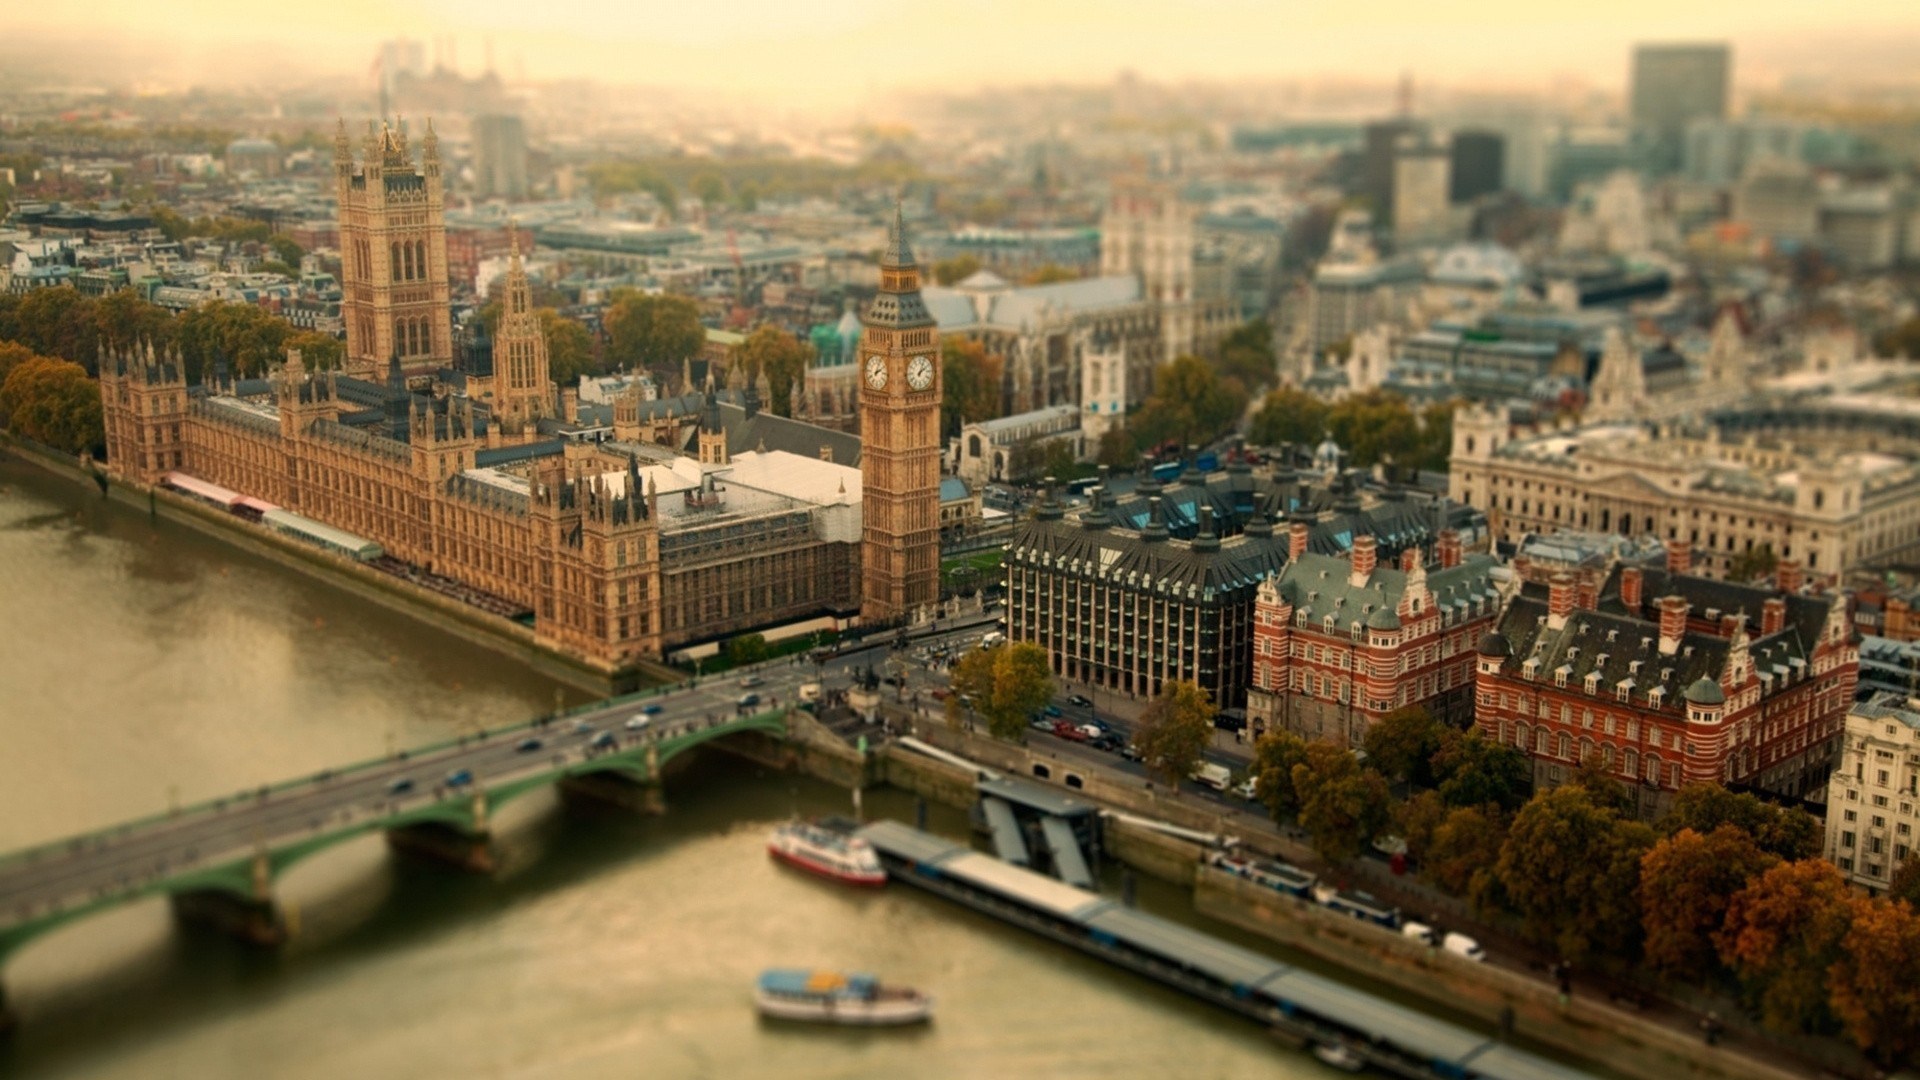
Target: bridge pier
252	920
616	790
472	852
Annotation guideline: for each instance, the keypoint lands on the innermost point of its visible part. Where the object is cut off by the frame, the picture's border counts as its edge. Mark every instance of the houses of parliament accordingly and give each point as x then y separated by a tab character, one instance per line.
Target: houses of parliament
623	543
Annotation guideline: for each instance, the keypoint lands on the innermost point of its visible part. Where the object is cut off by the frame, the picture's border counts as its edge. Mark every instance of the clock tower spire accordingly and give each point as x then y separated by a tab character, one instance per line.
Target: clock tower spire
900	389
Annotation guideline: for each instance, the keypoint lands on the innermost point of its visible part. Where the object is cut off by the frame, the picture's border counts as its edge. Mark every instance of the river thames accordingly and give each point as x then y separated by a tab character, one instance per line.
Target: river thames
145	663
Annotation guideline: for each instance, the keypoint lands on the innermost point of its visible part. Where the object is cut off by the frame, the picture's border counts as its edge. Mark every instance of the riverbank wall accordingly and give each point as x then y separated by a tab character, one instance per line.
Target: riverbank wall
503	636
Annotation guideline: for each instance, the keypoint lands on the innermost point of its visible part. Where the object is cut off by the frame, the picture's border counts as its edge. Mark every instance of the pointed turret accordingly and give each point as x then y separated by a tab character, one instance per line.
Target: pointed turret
898	254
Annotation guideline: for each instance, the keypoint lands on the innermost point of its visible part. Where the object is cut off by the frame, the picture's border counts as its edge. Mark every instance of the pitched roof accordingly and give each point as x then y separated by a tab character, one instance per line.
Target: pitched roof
1322	585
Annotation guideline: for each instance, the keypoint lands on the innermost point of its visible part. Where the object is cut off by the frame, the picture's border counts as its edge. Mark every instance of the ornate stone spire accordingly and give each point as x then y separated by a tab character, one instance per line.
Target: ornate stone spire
898	254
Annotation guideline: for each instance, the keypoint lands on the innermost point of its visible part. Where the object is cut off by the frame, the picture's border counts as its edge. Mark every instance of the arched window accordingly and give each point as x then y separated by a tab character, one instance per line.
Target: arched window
973	446
420	257
399	268
1653	768
1541	737
1566	745
1520	736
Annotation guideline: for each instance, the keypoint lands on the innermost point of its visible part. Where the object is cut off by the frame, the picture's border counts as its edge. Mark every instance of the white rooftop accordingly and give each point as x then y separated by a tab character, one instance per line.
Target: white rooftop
808	479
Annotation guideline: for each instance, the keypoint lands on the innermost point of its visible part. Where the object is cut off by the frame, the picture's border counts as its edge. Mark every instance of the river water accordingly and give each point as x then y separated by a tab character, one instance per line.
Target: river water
142	663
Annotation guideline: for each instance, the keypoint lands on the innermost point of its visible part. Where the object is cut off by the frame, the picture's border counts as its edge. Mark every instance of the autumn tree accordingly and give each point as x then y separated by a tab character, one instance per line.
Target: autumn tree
1402	743
1050	273
569	348
1342	805
1289	415
1189	405
1754	563
1274	756
1117	450
1872	988
1463	850
780	356
1007	684
1569	868
1246	355
1473	770
1686	881
124	319
657	332
1174	731
1784	831
53	402
1781	936
319	352
250	339
12	355
970	384
59	323
957	269
1600	784
1906	882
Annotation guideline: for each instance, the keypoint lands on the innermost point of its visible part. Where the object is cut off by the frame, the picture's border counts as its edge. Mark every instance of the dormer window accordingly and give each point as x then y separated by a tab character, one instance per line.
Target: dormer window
1613	634
1593	682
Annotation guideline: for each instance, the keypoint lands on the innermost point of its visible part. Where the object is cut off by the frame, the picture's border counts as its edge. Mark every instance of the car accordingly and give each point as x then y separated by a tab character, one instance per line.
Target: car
1068	731
1420	932
1053	711
748	701
581	727
940	693
460	778
528	746
1081	700
1212	774
751	681
1091	731
1462	945
1039	723
603	741
653	709
400	786
1247	789
1131	751
637	723
1107	741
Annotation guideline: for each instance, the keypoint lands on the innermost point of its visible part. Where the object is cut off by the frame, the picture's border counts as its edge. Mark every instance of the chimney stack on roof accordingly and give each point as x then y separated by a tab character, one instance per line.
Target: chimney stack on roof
1631	580
1673	623
1787	576
1296	539
1773	615
1559	599
1363	557
1448	548
1679	556
1586	591
1409	558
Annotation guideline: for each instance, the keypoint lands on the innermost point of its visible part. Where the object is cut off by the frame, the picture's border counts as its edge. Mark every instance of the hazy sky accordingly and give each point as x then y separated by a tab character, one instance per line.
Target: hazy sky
836	49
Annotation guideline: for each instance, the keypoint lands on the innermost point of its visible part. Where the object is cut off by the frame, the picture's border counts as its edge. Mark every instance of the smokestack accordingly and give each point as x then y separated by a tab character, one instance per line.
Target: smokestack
1586	591
1673	623
1773	615
1630	581
1296	539
570	405
1679	556
1449	548
1363	557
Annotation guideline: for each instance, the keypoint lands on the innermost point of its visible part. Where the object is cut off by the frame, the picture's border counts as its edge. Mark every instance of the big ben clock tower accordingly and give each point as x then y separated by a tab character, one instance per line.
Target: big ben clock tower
900	390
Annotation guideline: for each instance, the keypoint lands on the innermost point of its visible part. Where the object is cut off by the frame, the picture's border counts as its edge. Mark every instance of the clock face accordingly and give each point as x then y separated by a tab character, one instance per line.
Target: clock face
920	373
877	372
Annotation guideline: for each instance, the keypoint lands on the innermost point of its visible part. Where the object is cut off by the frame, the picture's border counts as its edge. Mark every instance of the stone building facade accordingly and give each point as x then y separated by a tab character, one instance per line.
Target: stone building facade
1873	800
393	252
1339	643
1668	679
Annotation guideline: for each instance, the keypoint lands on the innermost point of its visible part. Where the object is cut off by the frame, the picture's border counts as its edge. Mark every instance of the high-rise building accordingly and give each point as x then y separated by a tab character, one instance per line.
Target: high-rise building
1377	157
1672	86
393	254
1478	165
1419	189
900	432
500	157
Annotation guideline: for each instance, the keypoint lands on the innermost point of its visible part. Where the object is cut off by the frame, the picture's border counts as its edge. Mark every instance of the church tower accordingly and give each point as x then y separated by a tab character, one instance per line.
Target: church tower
393	254
900	387
522	378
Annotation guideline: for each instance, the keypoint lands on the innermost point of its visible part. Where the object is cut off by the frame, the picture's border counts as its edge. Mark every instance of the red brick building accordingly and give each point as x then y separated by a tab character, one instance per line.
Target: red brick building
1339	642
1668	679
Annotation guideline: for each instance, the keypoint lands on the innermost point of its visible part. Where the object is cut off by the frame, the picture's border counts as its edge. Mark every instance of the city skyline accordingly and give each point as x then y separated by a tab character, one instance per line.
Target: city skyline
805	59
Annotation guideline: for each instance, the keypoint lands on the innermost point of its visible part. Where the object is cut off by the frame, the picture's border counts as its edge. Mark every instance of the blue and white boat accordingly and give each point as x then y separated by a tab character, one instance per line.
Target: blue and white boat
832	997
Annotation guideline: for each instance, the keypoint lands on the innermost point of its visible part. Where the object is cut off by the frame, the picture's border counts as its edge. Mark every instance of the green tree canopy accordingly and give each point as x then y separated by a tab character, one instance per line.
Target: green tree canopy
1463	851
746	649
1752	564
1246	355
287	251
59	323
1472	770
250	339
1174	731
656	332
955	270
1274	756
1686	881
53	402
1007	683
1117	450
1342	805
1402	743
970	384
1189	405
123	319
1569	868
1782	935
781	356
569	347
319	352
1780	830
1289	415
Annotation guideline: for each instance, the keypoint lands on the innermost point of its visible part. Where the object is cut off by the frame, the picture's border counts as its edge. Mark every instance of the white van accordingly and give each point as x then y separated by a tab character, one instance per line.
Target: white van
810	691
1217	777
994	637
1462	945
1419	932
